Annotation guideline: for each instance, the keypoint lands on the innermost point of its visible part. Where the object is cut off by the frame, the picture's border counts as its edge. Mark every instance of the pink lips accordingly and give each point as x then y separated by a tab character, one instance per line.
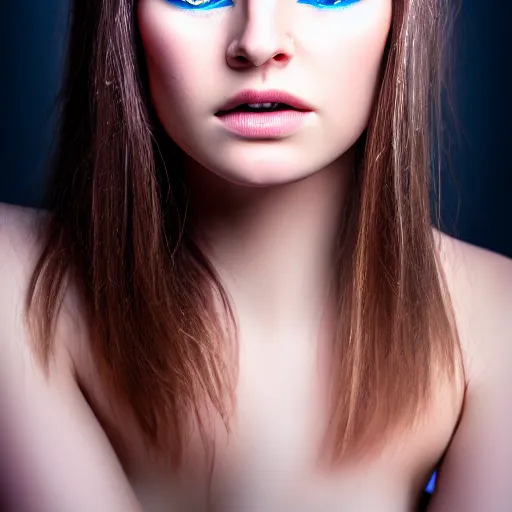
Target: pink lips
264	124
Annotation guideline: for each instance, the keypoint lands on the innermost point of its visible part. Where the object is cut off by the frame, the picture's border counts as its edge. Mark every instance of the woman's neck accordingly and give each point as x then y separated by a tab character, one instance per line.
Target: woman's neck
274	246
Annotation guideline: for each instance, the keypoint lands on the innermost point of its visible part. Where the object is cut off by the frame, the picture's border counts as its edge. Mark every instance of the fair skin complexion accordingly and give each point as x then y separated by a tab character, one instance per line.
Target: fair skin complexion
266	211
265	201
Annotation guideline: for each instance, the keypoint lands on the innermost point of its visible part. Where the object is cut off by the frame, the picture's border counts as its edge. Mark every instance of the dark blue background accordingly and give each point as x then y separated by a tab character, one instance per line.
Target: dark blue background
476	185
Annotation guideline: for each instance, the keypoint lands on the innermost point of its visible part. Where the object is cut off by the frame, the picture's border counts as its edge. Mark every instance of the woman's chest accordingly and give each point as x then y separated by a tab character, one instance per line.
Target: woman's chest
268	462
266	476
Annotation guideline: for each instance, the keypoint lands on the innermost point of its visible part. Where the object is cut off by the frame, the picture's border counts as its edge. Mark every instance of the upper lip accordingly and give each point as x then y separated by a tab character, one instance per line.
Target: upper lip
270	96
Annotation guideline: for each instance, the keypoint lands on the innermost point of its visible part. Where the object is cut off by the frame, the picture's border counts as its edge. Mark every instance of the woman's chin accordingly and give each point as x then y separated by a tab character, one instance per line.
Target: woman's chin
265	168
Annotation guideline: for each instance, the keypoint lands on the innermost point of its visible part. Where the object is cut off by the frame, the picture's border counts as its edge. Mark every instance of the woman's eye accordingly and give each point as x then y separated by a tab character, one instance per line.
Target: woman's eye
216	4
203	5
328	4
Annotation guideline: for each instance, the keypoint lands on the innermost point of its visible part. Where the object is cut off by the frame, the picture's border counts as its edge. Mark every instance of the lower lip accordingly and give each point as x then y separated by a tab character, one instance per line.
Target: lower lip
264	125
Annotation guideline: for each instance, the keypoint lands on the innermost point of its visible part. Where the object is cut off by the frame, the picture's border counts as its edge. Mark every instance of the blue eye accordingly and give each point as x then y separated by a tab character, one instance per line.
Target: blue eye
328	4
203	5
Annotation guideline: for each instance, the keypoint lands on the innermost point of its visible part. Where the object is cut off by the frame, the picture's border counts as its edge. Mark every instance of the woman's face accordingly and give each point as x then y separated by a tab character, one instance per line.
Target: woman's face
324	53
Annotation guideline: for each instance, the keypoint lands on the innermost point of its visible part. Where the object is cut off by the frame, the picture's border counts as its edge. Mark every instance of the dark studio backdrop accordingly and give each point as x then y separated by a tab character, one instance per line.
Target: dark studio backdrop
476	181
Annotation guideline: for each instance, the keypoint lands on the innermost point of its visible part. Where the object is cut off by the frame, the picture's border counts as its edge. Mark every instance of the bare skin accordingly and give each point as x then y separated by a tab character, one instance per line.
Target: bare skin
65	461
268	224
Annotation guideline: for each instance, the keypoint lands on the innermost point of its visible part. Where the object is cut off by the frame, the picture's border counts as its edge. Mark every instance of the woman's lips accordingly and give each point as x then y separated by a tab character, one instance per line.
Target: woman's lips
251	96
263	125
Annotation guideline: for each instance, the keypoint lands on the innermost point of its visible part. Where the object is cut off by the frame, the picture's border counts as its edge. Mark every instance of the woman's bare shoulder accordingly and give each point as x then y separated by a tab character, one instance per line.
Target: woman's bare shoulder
480	285
22	231
20	244
49	436
20	225
480	282
19	233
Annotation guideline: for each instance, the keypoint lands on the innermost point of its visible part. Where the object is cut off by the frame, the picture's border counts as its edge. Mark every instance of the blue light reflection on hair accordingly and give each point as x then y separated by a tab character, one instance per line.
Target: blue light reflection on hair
204	5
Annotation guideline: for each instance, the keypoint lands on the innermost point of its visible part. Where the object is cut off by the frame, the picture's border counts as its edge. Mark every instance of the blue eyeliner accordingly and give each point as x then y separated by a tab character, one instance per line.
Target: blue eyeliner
201	5
328	4
205	5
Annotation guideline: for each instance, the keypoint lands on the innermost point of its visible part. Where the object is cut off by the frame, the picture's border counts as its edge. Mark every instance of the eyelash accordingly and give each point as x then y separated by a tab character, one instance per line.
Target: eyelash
217	4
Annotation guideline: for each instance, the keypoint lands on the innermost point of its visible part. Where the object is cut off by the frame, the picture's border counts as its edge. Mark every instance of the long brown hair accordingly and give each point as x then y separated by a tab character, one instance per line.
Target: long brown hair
118	232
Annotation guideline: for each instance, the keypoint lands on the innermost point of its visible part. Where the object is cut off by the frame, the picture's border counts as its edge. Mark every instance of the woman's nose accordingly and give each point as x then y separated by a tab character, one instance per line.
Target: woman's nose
263	35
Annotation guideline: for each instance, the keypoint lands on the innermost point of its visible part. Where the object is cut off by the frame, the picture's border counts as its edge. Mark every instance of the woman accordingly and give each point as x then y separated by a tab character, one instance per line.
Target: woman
238	301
